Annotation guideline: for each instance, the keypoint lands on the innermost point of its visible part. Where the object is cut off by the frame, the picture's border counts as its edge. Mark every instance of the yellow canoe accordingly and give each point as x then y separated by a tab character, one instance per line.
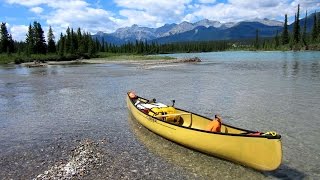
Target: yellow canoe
261	152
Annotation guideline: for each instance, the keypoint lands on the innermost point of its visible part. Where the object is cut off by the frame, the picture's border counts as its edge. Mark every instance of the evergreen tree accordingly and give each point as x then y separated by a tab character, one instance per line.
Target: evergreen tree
97	45
61	45
276	39
10	48
80	48
103	49
4	38
51	42
314	32
67	42
40	42
318	25
304	34
256	43
91	47
30	41
285	33
296	29
72	42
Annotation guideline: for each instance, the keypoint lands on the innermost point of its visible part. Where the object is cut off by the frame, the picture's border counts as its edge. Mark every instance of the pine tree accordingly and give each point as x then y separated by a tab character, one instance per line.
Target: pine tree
4	38
10	48
91	47
103	49
304	34
256	43
72	42
51	42
276	39
40	42
318	29
285	33
296	29
67	42
80	48
61	45
314	31
30	41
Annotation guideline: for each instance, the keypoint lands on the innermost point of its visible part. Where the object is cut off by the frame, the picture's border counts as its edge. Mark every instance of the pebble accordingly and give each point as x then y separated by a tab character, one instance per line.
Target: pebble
85	155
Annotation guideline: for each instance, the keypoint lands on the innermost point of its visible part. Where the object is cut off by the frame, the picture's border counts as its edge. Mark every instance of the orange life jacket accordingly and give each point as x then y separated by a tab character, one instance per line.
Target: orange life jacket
214	126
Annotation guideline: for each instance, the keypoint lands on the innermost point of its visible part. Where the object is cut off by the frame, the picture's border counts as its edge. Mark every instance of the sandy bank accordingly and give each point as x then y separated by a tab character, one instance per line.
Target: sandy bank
114	61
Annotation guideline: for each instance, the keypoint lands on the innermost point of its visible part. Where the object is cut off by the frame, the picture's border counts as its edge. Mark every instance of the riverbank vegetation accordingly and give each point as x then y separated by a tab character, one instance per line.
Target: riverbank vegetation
78	44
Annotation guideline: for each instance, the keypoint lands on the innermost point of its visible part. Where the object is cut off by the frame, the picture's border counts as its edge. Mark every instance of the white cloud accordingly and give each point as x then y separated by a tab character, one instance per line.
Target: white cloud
18	32
239	10
73	13
28	3
37	10
87	18
153	12
207	1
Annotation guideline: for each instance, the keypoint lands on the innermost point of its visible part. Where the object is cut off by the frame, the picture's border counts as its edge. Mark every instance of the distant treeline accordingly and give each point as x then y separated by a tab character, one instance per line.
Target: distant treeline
298	39
80	44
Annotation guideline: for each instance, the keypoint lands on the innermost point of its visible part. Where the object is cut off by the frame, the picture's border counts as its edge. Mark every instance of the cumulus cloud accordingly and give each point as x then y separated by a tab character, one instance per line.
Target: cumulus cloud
207	1
28	3
37	10
90	16
153	12
18	32
74	13
239	10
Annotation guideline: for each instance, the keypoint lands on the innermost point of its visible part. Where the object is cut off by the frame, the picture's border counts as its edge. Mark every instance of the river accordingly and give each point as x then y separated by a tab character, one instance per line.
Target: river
45	112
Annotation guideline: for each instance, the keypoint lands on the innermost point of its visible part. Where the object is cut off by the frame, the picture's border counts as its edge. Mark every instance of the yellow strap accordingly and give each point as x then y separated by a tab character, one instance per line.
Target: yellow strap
270	133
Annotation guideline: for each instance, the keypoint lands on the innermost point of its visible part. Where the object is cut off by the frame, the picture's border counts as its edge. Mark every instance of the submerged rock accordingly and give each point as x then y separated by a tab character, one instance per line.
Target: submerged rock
83	157
194	59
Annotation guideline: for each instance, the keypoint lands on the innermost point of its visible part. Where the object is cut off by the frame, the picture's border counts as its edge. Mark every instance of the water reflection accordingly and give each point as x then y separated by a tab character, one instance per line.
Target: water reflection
295	68
315	69
204	166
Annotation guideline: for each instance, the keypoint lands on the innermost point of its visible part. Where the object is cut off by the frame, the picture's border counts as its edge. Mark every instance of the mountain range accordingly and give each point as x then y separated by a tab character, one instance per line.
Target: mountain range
203	30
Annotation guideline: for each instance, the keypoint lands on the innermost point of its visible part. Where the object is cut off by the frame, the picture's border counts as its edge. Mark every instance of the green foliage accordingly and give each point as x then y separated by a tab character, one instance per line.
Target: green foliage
315	29
6	42
51	42
40	42
256	43
304	33
296	27
61	45
36	43
277	41
285	33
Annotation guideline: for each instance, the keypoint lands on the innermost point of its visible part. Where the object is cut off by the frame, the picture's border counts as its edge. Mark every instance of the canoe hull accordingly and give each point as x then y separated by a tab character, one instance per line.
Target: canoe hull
255	152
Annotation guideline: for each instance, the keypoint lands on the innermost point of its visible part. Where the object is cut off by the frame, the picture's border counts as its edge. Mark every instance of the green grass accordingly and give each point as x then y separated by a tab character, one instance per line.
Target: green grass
16	58
6	59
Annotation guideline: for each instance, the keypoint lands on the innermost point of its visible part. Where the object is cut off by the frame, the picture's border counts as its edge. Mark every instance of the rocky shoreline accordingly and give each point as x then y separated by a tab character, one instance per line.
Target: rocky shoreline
83	157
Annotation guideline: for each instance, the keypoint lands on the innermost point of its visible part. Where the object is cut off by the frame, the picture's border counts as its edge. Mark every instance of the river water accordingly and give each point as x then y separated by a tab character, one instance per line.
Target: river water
45	112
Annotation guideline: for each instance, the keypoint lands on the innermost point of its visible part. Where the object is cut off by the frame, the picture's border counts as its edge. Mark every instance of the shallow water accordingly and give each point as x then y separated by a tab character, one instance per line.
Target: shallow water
45	111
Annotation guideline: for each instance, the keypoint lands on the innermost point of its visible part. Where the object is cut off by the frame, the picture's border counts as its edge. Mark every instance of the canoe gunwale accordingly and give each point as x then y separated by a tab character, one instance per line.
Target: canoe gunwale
278	136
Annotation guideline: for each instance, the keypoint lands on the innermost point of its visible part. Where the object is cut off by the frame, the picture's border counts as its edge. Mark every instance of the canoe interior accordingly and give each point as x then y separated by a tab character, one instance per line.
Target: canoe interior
198	122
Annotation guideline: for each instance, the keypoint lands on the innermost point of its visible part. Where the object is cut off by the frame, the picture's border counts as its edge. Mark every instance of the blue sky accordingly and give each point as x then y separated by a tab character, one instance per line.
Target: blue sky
107	16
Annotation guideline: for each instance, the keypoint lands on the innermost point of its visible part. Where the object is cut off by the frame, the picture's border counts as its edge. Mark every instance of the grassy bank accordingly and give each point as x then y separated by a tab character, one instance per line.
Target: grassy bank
16	58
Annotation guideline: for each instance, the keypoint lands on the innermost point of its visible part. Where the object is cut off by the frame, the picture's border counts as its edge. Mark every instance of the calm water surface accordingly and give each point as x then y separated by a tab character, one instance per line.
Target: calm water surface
45	111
